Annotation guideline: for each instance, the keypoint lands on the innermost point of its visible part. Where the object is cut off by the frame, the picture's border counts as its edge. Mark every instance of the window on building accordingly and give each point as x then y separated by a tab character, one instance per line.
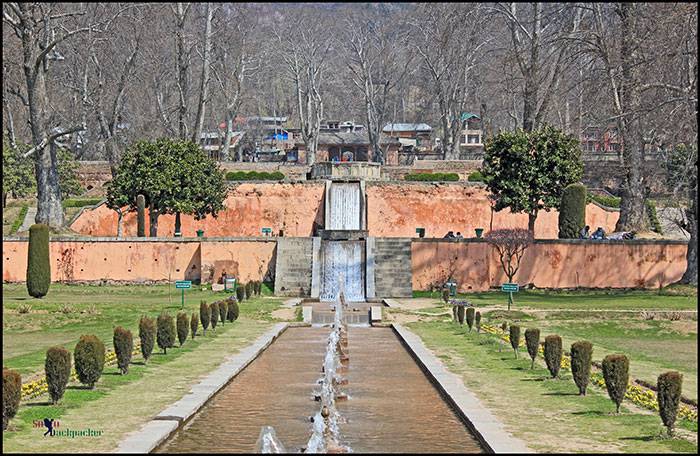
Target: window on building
473	139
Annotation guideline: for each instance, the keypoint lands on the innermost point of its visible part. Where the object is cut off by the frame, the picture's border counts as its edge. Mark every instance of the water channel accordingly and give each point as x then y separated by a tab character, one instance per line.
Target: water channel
391	405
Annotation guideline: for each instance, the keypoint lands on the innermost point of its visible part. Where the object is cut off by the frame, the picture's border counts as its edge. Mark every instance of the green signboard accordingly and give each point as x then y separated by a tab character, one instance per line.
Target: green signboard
510	287
266	231
183	284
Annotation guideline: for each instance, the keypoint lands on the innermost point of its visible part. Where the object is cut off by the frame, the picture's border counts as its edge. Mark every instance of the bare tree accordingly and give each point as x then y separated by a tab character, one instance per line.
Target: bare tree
40	27
510	244
204	81
378	59
305	51
449	39
234	61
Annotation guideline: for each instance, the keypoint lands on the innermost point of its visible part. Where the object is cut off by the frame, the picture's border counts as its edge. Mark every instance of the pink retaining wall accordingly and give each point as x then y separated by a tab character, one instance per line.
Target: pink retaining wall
551	264
139	261
393	210
473	264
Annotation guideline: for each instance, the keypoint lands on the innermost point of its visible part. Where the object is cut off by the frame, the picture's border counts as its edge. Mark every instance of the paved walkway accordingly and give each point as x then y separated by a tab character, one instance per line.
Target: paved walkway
28	219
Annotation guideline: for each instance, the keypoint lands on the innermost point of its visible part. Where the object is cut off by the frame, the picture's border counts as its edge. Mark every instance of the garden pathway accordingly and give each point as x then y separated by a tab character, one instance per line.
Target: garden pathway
28	219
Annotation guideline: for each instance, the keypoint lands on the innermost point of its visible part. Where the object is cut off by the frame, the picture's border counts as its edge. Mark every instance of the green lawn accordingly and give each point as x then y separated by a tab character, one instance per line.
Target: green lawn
653	346
547	414
69	311
674	298
147	389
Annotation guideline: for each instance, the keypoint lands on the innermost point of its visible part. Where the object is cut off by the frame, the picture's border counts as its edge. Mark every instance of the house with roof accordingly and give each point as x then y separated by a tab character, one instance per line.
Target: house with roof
471	138
345	141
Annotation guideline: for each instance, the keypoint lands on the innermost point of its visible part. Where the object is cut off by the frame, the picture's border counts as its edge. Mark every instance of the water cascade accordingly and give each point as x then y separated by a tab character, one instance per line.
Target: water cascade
344	206
342	259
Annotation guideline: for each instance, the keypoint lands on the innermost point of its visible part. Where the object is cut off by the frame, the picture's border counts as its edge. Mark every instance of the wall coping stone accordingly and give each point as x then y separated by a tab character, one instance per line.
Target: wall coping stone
563	241
149	239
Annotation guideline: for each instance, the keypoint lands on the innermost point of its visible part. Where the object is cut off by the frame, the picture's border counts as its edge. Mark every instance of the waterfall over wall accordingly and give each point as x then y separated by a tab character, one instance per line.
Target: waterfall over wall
345	206
346	259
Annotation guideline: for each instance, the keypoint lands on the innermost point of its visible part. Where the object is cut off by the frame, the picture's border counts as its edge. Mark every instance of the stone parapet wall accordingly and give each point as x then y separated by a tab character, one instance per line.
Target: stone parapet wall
475	265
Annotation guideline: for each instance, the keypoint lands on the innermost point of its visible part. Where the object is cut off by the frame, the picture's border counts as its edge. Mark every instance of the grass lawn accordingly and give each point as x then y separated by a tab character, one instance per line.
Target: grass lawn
673	298
145	391
69	311
653	346
547	414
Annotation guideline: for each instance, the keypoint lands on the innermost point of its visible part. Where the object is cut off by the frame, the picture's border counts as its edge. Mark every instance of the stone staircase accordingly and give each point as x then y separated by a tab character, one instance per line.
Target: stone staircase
392	267
293	266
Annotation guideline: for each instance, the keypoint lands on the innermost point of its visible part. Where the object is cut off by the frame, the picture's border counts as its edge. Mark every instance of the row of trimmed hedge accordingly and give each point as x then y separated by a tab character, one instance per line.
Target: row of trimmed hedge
80	202
248	290
89	352
615	369
432	177
254	175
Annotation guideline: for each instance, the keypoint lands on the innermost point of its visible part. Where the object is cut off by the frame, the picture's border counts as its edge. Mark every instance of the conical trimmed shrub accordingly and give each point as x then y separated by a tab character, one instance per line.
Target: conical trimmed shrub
194	324
616	374
183	329
460	314
669	386
38	261
57	369
123	347
214	317
204	315
147	336
553	354
223	311
572	211
514	336
477	321
470	317
232	313
581	357
249	290
11	395
166	332
89	356
532	341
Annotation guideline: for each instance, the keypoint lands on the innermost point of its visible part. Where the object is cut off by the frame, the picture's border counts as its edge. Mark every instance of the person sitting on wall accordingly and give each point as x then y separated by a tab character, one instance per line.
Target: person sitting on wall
585	232
459	235
449	235
599	233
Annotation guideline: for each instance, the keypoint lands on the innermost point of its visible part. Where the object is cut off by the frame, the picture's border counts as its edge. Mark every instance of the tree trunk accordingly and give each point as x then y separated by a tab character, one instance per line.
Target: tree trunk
531	218
153	221
690	276
203	89
49	209
227	140
120	225
633	216
178	224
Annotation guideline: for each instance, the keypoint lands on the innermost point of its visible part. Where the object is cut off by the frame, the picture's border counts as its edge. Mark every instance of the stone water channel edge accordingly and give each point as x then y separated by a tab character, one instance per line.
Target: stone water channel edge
169	420
482	424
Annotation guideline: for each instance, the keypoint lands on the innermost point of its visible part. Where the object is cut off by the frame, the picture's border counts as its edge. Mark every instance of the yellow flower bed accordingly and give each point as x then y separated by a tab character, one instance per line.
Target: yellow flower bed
38	387
636	394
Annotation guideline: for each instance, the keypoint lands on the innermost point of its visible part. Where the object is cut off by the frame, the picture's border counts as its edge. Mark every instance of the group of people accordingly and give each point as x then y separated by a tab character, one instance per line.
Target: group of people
451	235
599	233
